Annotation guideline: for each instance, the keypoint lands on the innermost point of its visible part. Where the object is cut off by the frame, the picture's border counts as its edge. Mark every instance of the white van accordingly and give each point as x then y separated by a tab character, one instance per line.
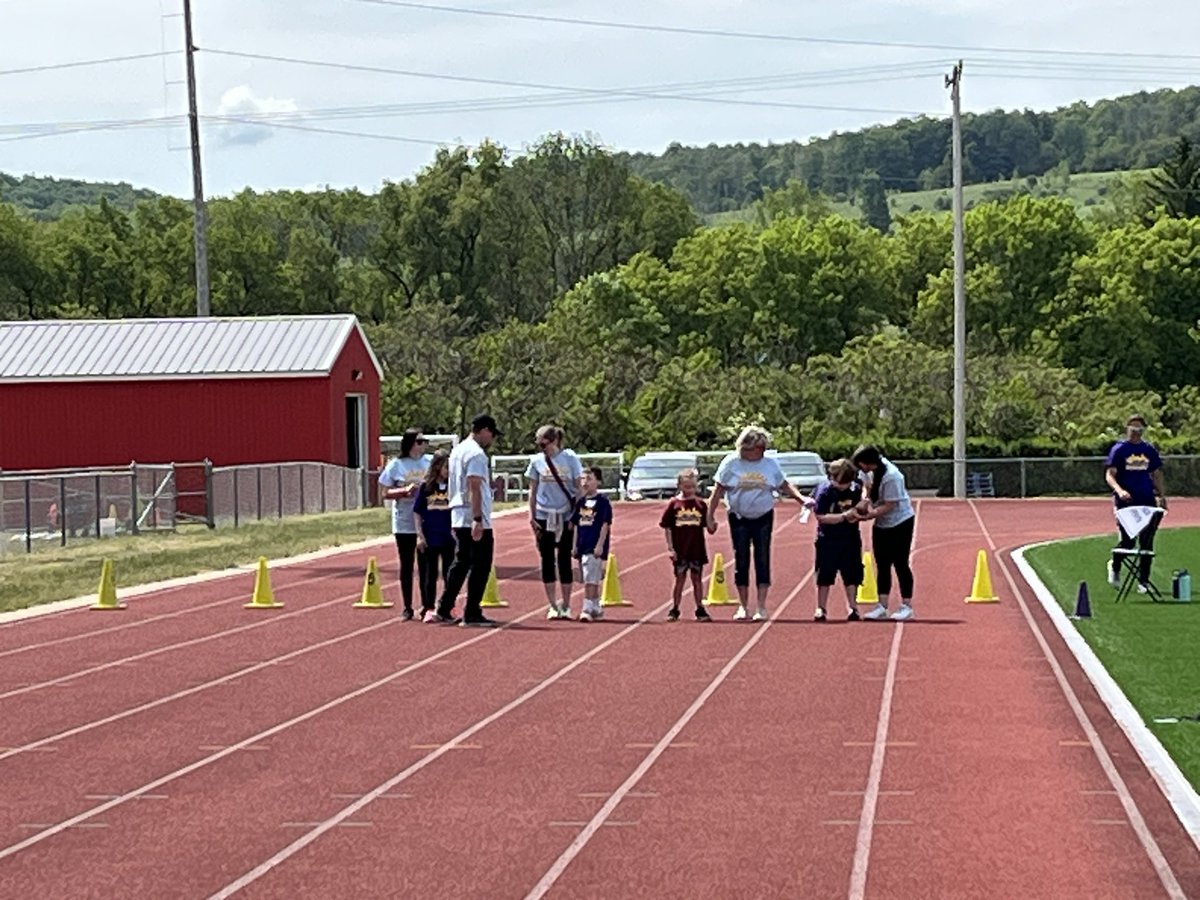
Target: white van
804	470
656	474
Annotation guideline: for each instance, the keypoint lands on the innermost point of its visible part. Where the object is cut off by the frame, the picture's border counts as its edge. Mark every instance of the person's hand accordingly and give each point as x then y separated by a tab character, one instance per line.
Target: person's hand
712	526
852	515
421	544
1162	502
674	556
477	531
534	525
1124	495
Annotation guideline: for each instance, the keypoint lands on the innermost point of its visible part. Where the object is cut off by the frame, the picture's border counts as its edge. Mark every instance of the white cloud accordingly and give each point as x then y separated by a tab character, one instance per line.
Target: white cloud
241	103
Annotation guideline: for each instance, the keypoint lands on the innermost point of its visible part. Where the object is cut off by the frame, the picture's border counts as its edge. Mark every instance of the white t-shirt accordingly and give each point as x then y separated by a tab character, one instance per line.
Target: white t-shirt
749	485
469	459
550	497
892	487
398	472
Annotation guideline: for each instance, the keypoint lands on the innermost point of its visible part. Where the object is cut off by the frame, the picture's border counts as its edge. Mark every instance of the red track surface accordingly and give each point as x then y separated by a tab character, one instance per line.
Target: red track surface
170	750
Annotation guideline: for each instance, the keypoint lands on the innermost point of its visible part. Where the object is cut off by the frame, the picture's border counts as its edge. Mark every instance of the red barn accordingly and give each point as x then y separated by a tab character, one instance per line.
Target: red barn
79	393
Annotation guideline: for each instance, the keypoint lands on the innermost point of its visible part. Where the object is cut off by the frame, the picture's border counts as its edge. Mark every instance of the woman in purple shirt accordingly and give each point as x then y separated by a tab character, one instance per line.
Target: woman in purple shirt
1134	473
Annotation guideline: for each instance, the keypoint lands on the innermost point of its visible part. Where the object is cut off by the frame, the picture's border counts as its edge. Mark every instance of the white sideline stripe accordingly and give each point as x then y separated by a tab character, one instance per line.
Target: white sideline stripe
866	819
598	820
1171	781
6	752
1161	867
333	821
275	729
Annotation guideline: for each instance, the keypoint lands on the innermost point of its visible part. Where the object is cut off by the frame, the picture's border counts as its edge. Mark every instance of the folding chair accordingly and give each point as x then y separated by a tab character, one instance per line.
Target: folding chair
1130	563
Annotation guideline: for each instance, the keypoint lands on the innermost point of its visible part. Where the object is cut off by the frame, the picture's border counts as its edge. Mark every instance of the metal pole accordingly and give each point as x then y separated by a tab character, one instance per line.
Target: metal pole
28	518
134	512
62	509
203	306
954	82
210	517
98	503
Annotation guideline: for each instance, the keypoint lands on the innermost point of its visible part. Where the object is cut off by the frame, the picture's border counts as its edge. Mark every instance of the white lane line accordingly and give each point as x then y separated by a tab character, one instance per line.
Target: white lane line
276	729
333	821
866	819
1161	867
601	817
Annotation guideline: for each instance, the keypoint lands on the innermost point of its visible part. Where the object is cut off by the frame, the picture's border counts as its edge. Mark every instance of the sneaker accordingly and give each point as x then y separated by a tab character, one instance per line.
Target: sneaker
760	616
430	617
585	616
903	614
853	616
406	615
481	622
741	613
879	612
1143	588
673	615
819	616
702	614
1113	578
443	619
552	613
564	612
597	613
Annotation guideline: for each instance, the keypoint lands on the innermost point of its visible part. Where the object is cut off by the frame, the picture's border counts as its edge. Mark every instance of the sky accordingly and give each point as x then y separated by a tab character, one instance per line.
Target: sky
397	82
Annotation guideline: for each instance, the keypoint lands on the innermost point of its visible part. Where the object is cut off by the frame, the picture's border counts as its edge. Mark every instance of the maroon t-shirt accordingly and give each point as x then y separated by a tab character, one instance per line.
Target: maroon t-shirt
685	520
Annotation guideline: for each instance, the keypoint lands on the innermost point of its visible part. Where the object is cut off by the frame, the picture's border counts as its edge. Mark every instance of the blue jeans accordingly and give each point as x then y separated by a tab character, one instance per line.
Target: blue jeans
756	534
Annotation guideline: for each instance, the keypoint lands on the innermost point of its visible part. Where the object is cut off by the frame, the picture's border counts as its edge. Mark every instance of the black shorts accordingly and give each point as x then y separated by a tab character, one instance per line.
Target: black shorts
836	558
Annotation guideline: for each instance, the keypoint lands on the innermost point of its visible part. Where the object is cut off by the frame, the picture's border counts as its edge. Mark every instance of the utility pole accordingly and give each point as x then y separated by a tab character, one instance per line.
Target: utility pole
203	306
954	81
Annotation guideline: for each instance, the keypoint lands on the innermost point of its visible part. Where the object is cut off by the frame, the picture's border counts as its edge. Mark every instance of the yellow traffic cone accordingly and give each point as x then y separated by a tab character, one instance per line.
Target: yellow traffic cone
868	591
264	597
371	597
491	594
718	590
981	588
106	594
610	593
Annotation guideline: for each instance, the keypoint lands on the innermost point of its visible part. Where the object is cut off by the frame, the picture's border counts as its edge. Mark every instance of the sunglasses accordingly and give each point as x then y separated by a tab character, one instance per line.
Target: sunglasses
421	441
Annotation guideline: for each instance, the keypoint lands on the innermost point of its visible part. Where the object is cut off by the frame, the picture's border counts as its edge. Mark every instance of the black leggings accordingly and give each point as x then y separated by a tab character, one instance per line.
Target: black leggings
892	547
752	533
406	545
1144	541
429	576
552	551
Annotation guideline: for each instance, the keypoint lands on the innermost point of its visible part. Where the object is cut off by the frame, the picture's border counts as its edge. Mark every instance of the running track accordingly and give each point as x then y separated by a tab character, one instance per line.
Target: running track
187	747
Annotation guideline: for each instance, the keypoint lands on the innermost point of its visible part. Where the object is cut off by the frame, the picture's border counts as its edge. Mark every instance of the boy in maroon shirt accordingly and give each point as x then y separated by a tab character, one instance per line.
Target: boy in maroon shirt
684	522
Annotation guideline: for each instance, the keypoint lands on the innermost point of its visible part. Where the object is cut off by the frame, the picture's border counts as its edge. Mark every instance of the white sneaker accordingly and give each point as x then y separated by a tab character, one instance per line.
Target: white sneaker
564	612
1113	578
1143	588
879	612
740	614
552	613
597	613
760	616
903	614
585	616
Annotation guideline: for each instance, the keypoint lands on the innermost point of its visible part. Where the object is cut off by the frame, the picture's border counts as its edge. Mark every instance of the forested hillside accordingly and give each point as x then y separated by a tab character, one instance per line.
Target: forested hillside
1131	132
49	198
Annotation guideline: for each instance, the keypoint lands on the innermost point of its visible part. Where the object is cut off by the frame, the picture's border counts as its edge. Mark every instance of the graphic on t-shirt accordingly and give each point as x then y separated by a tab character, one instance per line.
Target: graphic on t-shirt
685	517
439	499
1137	462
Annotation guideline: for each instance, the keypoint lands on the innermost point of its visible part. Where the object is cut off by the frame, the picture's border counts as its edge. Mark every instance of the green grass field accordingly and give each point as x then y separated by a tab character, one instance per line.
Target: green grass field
1089	191
1149	648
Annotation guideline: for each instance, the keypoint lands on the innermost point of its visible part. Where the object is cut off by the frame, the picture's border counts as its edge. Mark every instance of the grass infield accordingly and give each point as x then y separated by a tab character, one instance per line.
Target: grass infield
1148	648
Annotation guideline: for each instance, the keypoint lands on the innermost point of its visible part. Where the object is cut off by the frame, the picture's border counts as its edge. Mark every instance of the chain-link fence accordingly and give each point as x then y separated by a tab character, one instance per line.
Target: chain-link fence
1039	477
250	493
55	507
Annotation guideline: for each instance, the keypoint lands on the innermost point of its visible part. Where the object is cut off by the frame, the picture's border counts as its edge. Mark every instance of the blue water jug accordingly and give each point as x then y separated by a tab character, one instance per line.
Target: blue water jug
1181	585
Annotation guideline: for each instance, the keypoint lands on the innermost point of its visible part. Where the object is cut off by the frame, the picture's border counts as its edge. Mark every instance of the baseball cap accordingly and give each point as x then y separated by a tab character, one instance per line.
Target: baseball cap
484	421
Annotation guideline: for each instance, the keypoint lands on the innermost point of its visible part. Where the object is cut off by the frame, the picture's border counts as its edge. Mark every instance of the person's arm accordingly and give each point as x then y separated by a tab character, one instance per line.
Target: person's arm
419	507
1110	476
713	501
475	490
533	489
1157	477
790	490
667	521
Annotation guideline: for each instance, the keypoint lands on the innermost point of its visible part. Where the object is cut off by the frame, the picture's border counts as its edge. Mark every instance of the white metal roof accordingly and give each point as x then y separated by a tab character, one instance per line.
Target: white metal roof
108	349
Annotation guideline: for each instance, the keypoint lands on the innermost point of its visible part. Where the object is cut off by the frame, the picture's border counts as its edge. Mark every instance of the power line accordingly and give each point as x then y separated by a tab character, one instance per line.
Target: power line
54	67
762	36
466	79
295	127
56	129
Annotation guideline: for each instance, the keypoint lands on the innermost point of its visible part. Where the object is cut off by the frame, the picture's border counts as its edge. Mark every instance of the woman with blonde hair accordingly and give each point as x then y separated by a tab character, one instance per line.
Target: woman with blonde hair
554	474
748	479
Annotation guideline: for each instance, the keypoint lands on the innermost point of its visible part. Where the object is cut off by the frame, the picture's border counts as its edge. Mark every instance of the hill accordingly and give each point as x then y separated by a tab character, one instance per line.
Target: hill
1136	131
49	198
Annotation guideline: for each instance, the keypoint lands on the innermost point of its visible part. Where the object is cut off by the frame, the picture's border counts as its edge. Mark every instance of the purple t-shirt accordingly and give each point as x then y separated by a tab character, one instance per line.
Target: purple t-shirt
831	499
1134	462
434	509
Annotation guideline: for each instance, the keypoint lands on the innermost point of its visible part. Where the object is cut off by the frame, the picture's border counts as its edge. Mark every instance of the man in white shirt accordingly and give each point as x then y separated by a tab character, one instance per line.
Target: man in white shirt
471	518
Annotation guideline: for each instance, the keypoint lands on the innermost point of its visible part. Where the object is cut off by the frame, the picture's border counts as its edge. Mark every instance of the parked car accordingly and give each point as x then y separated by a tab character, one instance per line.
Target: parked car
656	474
804	470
